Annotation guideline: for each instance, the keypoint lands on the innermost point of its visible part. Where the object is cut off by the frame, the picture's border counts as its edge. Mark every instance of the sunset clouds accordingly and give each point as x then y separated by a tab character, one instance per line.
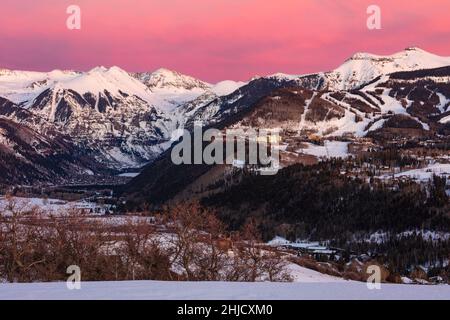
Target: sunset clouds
214	39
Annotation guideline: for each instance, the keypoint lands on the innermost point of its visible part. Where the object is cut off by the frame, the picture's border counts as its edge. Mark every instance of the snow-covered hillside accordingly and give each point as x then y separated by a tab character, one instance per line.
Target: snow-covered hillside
364	67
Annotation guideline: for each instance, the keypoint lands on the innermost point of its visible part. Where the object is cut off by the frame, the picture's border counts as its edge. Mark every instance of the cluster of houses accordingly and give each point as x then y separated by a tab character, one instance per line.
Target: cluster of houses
313	248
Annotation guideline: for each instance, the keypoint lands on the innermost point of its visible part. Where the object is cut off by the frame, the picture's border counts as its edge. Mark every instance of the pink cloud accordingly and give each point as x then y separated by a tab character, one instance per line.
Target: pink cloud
214	39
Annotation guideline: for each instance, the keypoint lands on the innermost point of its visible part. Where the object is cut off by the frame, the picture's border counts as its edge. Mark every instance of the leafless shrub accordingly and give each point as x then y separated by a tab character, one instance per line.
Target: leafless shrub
142	254
252	262
38	246
203	252
194	241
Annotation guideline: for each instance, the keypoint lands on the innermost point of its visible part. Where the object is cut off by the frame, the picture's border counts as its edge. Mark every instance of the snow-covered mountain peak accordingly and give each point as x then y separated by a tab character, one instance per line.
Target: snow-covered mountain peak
99	79
363	67
414	58
408	53
110	71
168	79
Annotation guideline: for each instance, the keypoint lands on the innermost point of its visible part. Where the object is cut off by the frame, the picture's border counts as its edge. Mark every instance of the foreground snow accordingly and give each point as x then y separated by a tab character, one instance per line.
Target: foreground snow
158	290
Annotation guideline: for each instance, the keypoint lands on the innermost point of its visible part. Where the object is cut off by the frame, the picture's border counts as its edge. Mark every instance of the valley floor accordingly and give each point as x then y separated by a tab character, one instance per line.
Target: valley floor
159	290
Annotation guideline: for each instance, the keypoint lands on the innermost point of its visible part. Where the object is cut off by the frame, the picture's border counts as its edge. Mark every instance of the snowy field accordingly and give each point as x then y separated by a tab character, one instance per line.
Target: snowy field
158	290
50	205
330	149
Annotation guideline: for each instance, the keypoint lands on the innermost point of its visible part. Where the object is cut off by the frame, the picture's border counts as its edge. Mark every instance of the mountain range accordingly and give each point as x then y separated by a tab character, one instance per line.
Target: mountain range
58	125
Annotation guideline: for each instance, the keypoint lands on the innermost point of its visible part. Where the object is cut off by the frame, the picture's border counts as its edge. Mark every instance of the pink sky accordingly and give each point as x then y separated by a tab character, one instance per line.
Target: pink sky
214	39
